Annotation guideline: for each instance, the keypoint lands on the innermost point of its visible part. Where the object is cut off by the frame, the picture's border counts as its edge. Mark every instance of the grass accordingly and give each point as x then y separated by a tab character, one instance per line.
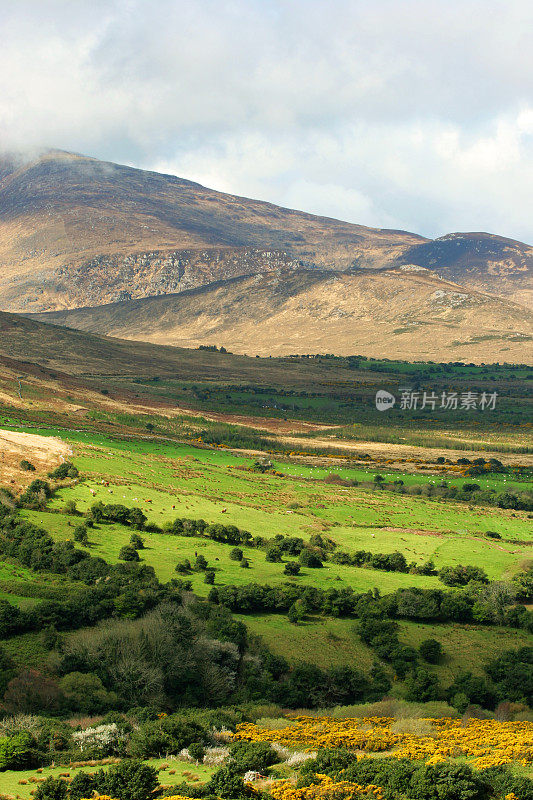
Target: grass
168	480
324	641
331	642
466	647
10	780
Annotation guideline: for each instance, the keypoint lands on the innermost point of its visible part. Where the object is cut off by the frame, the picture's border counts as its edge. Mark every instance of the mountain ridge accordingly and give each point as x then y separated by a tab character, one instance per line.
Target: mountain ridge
76	231
70	225
404	312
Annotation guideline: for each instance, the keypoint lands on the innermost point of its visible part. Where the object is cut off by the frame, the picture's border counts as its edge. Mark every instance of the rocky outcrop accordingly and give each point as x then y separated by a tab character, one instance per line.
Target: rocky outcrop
111	278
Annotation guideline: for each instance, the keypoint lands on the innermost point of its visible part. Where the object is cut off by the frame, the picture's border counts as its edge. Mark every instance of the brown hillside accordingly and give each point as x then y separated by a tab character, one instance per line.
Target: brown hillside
75	231
402	313
479	261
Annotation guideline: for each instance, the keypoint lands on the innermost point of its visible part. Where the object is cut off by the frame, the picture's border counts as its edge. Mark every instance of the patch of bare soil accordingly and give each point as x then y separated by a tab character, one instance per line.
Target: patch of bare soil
44	452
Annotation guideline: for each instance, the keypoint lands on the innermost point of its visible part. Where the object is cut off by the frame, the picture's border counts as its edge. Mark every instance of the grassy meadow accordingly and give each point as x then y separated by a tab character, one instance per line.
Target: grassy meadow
169	479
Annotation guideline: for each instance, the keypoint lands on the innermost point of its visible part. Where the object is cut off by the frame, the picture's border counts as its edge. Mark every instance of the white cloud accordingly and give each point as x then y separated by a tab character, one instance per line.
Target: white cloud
404	113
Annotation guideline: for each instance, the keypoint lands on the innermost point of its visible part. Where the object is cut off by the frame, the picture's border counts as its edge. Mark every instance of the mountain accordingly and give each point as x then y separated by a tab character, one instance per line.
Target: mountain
406	312
479	261
75	232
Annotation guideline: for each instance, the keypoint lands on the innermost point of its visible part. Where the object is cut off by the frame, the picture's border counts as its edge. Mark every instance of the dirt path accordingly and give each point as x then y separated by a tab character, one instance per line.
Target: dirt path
44	452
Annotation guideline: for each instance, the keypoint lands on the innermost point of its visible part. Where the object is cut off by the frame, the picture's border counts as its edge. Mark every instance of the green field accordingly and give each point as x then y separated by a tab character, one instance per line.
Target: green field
168	480
332	642
22	783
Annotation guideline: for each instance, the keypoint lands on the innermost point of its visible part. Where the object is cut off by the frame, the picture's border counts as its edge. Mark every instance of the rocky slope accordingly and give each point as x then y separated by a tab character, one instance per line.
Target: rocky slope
75	231
479	261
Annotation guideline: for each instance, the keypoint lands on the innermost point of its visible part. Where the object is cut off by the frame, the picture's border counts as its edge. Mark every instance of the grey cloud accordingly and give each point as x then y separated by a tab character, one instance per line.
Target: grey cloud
408	113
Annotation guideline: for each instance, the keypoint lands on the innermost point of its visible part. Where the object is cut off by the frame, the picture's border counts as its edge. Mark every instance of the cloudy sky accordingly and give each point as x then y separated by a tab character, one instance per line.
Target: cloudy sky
414	114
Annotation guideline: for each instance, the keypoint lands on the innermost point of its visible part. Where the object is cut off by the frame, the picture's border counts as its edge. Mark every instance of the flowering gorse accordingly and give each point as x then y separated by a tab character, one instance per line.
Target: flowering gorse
485	742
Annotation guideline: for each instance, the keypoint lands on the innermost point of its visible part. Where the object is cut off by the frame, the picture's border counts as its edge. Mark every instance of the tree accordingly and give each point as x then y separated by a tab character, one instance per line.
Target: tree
209	577
80	535
236	554
292	568
201	563
128	553
51	789
431	651
136	541
309	559
273	554
129	780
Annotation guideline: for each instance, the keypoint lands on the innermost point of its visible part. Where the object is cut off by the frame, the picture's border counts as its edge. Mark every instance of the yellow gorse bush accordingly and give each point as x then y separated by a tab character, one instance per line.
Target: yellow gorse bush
106	797
486	743
326	789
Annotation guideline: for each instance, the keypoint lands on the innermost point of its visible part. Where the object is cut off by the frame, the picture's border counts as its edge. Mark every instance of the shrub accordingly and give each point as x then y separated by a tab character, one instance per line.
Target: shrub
448	782
462	574
17	752
431	651
512	674
85	692
128	553
82	785
196	751
292	568
136	541
227	783
201	562
27	466
80	535
247	756
309	559
422	686
129	780
64	470
236	554
273	554
51	789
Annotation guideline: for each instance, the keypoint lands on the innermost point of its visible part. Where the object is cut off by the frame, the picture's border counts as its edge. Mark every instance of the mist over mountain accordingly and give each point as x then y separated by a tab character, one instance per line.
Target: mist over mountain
78	233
